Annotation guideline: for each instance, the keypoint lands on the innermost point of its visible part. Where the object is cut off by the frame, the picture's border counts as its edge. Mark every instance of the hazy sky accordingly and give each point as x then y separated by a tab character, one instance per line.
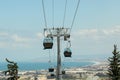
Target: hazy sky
95	31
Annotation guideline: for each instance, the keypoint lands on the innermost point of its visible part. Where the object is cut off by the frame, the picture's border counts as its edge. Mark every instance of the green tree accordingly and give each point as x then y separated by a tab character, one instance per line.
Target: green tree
12	70
114	65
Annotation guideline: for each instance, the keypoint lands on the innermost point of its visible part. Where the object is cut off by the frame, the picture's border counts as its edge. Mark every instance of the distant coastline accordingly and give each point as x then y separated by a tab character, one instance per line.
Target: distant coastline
26	66
87	69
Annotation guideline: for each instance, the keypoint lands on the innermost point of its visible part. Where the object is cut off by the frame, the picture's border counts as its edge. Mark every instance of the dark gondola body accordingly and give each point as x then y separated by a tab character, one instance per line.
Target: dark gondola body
67	52
51	69
52	75
63	72
48	43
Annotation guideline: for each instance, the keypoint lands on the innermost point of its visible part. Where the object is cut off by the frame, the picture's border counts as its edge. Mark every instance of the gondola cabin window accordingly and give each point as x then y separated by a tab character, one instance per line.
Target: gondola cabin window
48	43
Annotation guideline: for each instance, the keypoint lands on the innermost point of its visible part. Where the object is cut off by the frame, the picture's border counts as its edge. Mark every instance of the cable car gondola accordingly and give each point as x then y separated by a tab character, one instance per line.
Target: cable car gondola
52	75
63	72
51	69
48	43
67	52
66	37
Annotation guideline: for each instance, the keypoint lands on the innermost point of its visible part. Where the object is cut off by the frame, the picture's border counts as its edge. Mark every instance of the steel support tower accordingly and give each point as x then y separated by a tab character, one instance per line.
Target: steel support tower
58	33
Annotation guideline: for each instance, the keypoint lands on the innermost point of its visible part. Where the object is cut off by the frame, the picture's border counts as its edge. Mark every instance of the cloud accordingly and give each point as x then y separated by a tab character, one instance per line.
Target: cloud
83	37
112	31
95	41
14	40
39	35
3	44
98	33
17	38
3	34
87	32
20	45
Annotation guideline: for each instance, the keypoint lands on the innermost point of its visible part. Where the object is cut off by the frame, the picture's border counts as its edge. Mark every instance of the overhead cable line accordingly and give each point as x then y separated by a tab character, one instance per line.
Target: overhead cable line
75	15
44	13
53	13
64	13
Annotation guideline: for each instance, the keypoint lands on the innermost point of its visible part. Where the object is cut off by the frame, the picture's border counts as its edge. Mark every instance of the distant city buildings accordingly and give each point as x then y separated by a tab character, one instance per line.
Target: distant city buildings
93	72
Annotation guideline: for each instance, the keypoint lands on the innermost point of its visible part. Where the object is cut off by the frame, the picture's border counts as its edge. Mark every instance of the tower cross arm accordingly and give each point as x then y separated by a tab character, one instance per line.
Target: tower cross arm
54	32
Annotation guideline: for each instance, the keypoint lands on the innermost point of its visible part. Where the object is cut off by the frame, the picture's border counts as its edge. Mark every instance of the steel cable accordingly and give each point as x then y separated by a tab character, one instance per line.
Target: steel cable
74	15
44	13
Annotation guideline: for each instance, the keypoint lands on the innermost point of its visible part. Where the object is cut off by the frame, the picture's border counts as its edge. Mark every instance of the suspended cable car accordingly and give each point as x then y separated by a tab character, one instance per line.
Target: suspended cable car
63	68
63	72
67	52
51	69
52	75
48	43
66	37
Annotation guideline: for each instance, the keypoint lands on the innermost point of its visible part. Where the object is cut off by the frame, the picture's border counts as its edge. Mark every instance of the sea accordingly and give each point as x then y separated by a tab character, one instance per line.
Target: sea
28	66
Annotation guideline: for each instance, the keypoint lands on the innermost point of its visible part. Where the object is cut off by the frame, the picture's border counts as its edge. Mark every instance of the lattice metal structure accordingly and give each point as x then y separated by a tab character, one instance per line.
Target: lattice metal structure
58	33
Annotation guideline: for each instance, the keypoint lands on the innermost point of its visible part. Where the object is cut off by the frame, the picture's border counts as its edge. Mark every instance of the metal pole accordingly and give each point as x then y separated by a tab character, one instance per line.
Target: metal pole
57	32
58	77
